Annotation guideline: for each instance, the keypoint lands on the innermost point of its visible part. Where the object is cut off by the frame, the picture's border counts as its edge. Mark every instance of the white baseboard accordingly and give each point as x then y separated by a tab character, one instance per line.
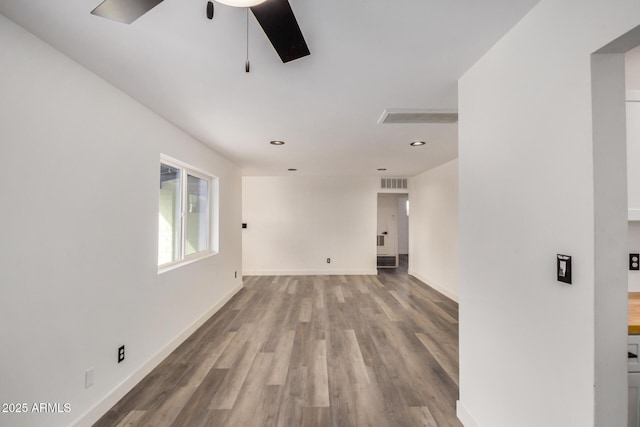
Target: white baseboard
634	214
435	285
361	272
464	417
101	408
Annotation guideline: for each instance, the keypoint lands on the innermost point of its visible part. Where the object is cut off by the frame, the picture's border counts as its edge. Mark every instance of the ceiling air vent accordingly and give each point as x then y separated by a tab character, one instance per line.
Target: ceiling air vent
393	183
418	116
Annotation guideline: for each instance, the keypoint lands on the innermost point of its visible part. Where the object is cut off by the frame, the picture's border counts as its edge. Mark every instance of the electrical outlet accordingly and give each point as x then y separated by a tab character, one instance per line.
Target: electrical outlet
121	353
88	378
328	260
634	262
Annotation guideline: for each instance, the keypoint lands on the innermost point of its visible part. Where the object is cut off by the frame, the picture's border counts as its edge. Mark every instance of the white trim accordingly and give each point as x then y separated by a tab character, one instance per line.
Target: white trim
634	214
101	408
190	260
182	165
464	417
435	285
361	272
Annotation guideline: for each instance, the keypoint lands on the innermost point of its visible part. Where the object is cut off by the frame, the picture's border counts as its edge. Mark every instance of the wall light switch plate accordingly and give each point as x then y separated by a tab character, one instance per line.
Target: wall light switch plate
564	268
88	378
634	262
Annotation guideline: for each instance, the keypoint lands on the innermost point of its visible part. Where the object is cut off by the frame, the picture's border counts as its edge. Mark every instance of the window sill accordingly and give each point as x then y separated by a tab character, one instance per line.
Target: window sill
194	258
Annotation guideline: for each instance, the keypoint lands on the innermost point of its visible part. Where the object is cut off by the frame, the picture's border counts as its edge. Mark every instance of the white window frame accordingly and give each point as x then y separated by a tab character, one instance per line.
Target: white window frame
212	208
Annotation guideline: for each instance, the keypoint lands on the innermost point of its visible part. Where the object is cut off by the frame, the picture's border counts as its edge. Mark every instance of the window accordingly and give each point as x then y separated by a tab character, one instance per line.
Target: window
185	220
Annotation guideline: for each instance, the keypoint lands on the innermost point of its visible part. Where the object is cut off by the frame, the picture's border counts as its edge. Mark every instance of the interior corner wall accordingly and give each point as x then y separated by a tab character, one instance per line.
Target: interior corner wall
433	228
78	272
295	223
526	183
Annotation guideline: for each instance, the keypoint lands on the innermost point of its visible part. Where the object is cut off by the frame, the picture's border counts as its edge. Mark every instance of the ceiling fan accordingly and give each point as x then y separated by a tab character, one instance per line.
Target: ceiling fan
274	16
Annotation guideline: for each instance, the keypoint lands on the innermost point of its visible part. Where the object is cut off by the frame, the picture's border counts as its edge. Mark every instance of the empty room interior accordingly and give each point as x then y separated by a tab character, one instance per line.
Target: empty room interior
320	213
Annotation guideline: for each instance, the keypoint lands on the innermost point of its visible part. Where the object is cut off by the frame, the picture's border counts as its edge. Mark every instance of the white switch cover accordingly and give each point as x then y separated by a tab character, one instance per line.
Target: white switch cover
88	378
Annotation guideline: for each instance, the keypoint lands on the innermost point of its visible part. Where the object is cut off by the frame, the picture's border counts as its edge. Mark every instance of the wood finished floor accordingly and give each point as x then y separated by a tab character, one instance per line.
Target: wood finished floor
310	351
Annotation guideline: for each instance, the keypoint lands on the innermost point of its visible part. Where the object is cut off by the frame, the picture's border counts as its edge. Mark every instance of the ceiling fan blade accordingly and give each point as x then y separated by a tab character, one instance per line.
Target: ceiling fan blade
279	24
125	11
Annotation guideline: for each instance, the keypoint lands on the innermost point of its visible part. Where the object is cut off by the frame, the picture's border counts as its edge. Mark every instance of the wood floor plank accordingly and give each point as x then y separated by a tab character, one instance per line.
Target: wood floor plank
280	367
448	364
292	287
234	349
422	416
378	351
196	411
318	293
305	310
355	357
319	377
339	294
247	407
229	390
132	419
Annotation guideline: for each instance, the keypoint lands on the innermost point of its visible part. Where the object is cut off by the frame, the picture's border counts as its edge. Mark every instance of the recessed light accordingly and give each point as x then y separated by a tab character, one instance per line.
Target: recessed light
277	142
417	143
292	169
382	169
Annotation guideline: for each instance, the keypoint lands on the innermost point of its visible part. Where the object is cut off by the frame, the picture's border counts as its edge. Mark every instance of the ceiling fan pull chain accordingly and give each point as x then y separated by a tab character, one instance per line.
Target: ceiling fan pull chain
247	66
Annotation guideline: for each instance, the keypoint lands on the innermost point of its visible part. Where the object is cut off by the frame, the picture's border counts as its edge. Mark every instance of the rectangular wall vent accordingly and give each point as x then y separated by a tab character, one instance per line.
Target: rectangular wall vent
380	240
418	116
393	183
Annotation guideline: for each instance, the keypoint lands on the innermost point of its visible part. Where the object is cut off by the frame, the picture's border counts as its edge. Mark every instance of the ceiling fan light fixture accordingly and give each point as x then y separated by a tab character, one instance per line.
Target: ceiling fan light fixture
241	3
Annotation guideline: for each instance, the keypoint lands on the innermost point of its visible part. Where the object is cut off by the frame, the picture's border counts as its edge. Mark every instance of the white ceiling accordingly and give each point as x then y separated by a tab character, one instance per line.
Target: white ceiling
366	56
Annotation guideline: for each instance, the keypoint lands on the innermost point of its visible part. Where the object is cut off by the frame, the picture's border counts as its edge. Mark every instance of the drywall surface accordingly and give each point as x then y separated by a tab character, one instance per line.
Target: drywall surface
633	157
403	225
78	272
433	225
527	193
295	223
632	69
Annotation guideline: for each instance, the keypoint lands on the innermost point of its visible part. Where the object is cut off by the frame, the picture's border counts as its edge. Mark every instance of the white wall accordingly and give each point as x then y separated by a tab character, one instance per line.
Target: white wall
403	225
433	224
78	272
296	222
632	74
526	159
633	158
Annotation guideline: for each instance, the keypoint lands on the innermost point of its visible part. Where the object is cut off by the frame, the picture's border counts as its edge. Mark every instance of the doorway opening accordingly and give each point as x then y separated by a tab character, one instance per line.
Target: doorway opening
392	240
614	125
